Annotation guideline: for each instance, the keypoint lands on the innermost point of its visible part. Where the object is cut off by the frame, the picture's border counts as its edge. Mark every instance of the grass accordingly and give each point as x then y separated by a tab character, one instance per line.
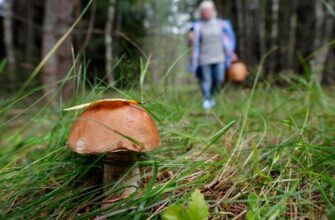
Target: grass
272	159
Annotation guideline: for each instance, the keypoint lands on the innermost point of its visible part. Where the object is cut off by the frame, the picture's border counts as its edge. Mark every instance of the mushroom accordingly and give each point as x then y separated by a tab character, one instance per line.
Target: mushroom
119	128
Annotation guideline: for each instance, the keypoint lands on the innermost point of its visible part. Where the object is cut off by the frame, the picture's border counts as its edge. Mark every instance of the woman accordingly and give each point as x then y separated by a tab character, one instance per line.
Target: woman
213	50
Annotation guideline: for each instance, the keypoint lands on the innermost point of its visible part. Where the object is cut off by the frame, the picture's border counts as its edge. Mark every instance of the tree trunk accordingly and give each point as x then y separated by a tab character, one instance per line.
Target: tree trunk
64	54
241	29
292	34
8	39
30	32
155	35
251	22
57	19
49	75
324	26
274	32
118	28
109	41
261	27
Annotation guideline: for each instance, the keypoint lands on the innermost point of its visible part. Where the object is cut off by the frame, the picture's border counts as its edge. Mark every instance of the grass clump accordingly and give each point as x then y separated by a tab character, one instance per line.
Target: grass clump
275	162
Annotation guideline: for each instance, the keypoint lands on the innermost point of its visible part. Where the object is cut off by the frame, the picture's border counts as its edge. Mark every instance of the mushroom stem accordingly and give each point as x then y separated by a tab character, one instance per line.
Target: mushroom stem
120	164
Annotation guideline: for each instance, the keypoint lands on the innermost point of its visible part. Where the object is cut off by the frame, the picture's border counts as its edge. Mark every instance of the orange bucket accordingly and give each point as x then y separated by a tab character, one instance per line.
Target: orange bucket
238	72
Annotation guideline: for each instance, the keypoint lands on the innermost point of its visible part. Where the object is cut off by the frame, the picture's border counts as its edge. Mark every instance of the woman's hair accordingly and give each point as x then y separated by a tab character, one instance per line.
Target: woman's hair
207	4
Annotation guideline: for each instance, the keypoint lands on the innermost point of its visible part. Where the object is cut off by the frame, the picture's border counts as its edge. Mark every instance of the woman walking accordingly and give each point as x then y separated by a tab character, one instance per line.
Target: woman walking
213	51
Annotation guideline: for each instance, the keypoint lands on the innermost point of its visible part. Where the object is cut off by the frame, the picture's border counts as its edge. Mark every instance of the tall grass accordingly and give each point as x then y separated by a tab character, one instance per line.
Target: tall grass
280	166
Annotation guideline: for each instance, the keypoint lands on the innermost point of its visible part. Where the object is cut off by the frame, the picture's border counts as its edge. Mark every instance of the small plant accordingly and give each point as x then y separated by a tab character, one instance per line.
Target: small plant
254	212
258	209
197	209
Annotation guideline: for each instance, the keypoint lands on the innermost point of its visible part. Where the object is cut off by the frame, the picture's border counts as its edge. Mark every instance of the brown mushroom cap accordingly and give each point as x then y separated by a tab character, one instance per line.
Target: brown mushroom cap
112	126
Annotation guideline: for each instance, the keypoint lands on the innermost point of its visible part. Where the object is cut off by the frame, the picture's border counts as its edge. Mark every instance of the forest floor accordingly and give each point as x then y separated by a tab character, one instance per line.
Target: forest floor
267	154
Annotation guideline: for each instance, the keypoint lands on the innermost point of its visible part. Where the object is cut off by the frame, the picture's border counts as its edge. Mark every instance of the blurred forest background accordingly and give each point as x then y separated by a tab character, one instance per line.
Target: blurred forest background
113	35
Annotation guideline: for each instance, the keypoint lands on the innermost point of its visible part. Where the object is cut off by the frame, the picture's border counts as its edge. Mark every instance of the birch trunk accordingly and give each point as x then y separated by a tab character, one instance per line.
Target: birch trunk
109	42
324	26
8	39
274	31
154	34
49	73
57	20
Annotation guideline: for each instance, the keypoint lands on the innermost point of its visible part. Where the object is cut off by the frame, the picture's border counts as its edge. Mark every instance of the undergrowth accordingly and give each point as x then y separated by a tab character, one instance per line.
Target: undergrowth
272	158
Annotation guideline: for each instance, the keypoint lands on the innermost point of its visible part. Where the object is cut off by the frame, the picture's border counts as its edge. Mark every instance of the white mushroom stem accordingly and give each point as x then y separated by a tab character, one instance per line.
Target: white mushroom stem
121	165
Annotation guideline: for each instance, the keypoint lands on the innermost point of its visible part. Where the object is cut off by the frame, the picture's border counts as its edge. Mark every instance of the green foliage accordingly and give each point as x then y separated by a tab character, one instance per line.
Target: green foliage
253	207
288	137
256	164
197	209
175	212
258	210
128	34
